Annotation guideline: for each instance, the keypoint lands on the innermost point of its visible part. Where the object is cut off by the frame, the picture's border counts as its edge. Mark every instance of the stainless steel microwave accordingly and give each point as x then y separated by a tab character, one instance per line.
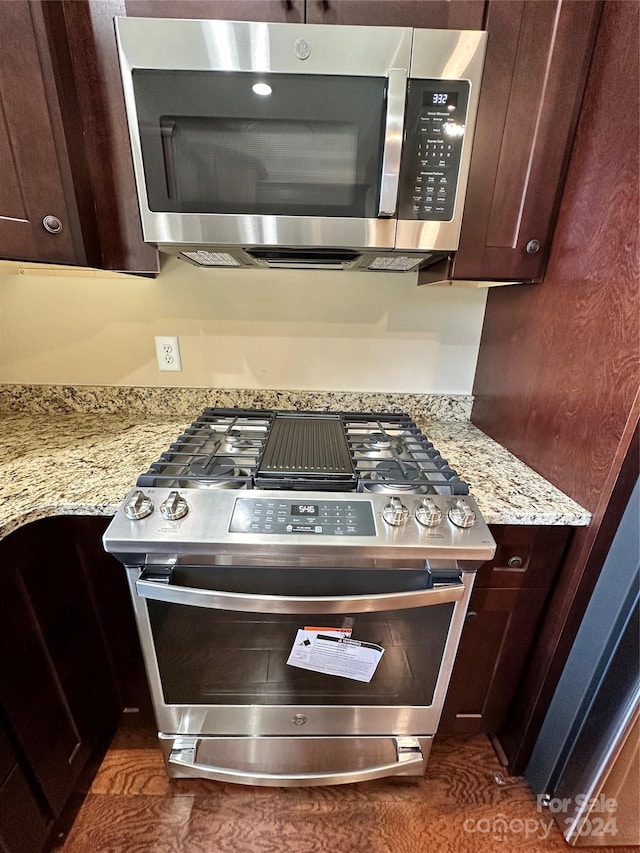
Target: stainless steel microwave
300	145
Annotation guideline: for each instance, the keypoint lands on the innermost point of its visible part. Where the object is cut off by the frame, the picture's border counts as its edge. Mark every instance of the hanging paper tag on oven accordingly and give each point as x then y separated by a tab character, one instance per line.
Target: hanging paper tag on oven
332	653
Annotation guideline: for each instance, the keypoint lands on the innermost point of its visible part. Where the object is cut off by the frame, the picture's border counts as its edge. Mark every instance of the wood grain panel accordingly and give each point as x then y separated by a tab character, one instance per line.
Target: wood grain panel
558	369
558	365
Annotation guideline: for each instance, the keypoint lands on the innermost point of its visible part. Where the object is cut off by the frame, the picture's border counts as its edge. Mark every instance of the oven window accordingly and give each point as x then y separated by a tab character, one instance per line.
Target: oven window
312	146
215	657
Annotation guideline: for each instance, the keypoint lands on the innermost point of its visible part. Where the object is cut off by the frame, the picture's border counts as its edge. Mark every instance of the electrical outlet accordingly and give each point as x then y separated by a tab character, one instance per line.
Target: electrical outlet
168	353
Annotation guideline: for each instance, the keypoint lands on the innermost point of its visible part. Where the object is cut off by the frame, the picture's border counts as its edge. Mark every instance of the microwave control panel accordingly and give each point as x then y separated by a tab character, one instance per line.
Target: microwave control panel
436	119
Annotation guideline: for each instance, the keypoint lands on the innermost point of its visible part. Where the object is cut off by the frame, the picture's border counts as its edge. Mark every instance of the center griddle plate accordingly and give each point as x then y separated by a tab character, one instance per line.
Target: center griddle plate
307	450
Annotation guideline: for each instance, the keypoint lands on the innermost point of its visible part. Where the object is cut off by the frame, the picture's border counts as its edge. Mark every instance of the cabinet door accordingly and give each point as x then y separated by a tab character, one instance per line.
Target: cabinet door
23	824
538	55
435	14
497	634
31	175
507	602
55	685
291	11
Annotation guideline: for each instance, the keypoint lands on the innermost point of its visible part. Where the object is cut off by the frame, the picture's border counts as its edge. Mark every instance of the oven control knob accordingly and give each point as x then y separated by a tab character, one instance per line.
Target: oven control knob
428	513
395	512
138	506
174	507
461	514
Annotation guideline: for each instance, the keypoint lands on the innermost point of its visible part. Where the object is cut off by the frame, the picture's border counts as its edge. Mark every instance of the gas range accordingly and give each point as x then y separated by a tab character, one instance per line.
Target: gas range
305	483
300	582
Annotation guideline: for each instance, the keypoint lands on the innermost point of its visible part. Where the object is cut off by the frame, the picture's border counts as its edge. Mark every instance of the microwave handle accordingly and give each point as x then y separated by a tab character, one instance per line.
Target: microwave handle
393	134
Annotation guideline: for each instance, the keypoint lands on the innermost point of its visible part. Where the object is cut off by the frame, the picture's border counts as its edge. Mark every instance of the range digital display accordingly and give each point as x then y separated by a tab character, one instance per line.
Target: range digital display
304	509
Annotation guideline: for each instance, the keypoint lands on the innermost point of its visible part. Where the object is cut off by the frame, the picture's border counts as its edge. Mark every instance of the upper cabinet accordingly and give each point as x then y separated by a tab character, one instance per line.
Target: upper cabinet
430	14
538	56
36	218
278	11
68	190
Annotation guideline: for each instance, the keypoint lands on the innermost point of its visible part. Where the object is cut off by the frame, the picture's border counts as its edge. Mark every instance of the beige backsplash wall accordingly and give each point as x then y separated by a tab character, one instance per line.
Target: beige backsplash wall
240	329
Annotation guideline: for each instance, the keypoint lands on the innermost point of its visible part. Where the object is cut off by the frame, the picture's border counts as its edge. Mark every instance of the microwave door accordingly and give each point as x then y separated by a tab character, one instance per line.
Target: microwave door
247	147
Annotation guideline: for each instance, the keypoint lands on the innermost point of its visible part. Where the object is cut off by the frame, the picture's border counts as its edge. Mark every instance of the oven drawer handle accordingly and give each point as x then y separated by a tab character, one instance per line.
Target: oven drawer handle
410	761
291	604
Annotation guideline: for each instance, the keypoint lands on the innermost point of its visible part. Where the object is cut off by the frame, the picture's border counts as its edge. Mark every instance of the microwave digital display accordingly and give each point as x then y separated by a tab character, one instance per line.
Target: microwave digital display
441	99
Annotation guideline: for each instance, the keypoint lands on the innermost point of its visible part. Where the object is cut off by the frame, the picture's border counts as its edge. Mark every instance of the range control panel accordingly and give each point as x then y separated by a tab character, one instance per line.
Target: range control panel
317	517
436	126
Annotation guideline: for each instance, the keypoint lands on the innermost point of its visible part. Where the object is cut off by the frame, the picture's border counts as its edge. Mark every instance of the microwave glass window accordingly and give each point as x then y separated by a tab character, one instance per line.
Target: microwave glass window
299	145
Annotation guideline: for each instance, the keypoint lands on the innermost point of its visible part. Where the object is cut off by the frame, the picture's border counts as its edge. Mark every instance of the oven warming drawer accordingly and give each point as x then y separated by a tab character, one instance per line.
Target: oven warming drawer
294	761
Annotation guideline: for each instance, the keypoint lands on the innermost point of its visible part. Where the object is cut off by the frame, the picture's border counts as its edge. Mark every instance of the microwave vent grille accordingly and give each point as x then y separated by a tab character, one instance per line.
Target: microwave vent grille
212	259
399	263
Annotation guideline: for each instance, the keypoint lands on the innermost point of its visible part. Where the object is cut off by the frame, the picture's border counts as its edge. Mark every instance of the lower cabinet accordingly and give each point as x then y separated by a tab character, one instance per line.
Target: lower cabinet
62	688
24	824
506	606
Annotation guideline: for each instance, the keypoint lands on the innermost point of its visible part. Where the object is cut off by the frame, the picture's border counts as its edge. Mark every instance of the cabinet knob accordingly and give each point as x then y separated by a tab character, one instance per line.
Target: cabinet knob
52	224
533	246
515	562
472	614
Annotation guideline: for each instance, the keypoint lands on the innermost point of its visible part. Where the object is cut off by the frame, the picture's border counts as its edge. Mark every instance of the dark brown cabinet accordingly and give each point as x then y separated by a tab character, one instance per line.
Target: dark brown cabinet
36	219
61	683
23	823
538	56
506	605
431	14
278	11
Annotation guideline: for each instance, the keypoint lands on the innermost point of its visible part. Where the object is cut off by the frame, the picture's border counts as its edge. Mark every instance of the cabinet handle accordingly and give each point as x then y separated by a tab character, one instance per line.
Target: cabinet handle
52	224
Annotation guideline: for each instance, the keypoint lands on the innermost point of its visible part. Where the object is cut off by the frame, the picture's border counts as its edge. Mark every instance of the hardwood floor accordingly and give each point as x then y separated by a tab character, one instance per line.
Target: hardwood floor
133	807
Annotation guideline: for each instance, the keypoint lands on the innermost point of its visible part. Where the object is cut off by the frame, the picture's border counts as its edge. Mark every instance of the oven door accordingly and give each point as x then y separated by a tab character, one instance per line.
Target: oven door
217	641
251	134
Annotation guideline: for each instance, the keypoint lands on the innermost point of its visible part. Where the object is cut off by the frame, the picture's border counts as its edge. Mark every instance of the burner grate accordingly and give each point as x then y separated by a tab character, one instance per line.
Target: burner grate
269	449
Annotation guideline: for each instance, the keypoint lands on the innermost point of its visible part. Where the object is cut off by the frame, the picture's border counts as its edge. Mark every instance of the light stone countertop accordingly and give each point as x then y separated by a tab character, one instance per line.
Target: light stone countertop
85	463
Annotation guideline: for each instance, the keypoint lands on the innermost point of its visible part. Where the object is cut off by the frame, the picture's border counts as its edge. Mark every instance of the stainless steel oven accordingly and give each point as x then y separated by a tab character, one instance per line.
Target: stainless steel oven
297	636
283	145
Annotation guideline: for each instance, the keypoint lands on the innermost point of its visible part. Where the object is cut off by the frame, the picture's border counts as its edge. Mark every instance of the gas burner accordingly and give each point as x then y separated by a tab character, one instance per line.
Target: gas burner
380	445
394	476
222	472
379	441
237	440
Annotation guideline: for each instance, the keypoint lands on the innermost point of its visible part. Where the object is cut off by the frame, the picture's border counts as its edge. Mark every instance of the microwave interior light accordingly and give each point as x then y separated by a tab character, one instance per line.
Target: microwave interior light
262	89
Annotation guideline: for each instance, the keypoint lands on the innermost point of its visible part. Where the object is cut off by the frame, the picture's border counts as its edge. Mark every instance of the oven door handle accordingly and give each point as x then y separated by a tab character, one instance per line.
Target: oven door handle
291	604
393	133
410	761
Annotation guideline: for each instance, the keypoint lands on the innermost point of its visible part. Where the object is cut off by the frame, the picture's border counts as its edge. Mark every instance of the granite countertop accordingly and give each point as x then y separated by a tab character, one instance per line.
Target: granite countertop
84	463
